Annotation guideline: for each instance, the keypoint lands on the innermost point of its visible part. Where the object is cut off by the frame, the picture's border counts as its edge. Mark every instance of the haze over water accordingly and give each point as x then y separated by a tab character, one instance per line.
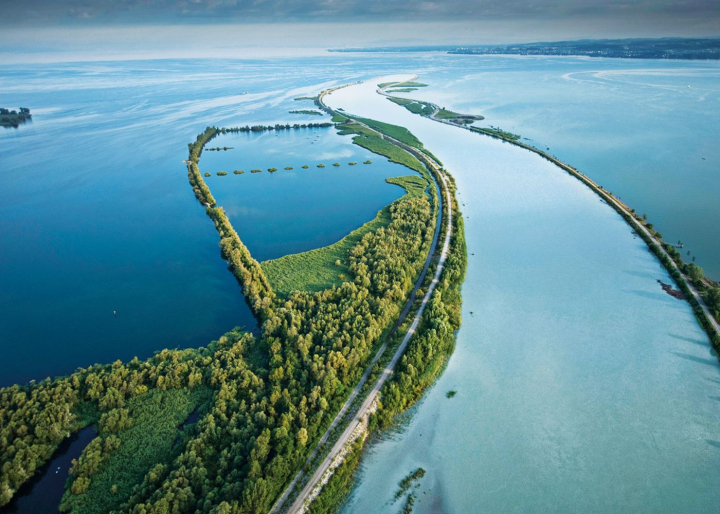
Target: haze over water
581	385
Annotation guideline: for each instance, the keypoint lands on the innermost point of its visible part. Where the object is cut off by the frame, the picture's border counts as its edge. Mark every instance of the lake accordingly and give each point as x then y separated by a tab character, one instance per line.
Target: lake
96	214
581	385
292	211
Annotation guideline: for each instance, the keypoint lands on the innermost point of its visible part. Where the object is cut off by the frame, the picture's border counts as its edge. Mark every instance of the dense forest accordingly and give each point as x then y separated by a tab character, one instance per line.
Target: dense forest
261	400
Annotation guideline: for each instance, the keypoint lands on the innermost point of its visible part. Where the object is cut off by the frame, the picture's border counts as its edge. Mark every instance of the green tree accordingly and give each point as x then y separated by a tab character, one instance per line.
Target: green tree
695	273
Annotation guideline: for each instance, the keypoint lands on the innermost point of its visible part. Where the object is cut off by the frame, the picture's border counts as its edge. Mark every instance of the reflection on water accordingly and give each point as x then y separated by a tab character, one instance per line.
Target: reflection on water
44	492
290	211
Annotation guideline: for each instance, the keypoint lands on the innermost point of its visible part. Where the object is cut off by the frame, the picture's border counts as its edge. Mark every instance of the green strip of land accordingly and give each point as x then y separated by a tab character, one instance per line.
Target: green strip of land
401	84
370	140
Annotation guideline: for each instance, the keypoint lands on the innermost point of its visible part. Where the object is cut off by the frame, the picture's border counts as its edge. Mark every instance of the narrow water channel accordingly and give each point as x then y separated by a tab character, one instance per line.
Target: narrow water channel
581	385
43	494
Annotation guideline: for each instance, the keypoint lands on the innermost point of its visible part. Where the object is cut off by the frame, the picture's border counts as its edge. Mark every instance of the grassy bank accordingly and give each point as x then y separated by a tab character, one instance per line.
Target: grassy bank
370	140
321	268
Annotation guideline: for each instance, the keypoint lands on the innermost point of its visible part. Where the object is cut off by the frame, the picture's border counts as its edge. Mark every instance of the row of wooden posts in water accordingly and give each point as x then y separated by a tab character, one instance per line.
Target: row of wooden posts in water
272	170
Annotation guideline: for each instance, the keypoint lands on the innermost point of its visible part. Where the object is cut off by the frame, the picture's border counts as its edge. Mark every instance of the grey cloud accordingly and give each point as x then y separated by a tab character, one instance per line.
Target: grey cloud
184	11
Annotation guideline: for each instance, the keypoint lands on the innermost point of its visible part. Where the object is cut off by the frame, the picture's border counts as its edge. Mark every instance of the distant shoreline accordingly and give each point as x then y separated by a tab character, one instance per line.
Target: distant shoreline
684	49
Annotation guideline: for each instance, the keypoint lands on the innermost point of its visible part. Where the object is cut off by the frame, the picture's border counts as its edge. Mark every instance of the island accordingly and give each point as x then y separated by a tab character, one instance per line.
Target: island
13	118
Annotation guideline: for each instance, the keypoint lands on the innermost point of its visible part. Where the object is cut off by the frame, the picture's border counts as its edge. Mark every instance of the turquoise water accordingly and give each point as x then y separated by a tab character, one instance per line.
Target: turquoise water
291	211
581	385
646	130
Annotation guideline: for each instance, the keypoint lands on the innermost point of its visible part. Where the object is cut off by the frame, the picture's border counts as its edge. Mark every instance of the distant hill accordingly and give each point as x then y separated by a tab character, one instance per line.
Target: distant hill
663	48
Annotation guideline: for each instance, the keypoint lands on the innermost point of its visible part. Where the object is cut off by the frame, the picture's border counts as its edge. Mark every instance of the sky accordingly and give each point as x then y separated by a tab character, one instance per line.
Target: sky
36	30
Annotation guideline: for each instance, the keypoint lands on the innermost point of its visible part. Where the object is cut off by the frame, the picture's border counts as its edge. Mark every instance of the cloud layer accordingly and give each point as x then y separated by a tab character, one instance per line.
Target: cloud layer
249	11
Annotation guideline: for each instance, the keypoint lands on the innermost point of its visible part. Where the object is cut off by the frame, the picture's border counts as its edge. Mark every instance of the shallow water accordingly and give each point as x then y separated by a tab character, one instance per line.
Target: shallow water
645	129
582	386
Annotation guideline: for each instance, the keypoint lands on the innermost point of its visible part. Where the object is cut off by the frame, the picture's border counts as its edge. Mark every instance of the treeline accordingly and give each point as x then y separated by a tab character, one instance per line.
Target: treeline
431	347
424	359
246	269
496	133
263	128
201	190
257	434
12	118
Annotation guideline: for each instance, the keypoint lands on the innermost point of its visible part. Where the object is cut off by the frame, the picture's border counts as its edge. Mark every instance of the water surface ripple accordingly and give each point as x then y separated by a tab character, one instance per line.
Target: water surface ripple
582	386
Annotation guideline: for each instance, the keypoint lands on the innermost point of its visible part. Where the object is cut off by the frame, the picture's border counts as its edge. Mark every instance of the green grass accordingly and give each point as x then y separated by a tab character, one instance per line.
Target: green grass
322	268
317	270
444	114
414	185
382	147
368	139
400	133
402	90
353	128
338	118
156	415
414	106
403	84
496	132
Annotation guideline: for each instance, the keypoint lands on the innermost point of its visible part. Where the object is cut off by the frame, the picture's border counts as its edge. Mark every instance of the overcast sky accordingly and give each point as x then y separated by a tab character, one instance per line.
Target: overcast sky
40	28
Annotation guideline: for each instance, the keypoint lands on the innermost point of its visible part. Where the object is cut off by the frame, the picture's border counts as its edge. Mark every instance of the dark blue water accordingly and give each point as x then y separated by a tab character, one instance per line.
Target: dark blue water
43	494
291	211
96	214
